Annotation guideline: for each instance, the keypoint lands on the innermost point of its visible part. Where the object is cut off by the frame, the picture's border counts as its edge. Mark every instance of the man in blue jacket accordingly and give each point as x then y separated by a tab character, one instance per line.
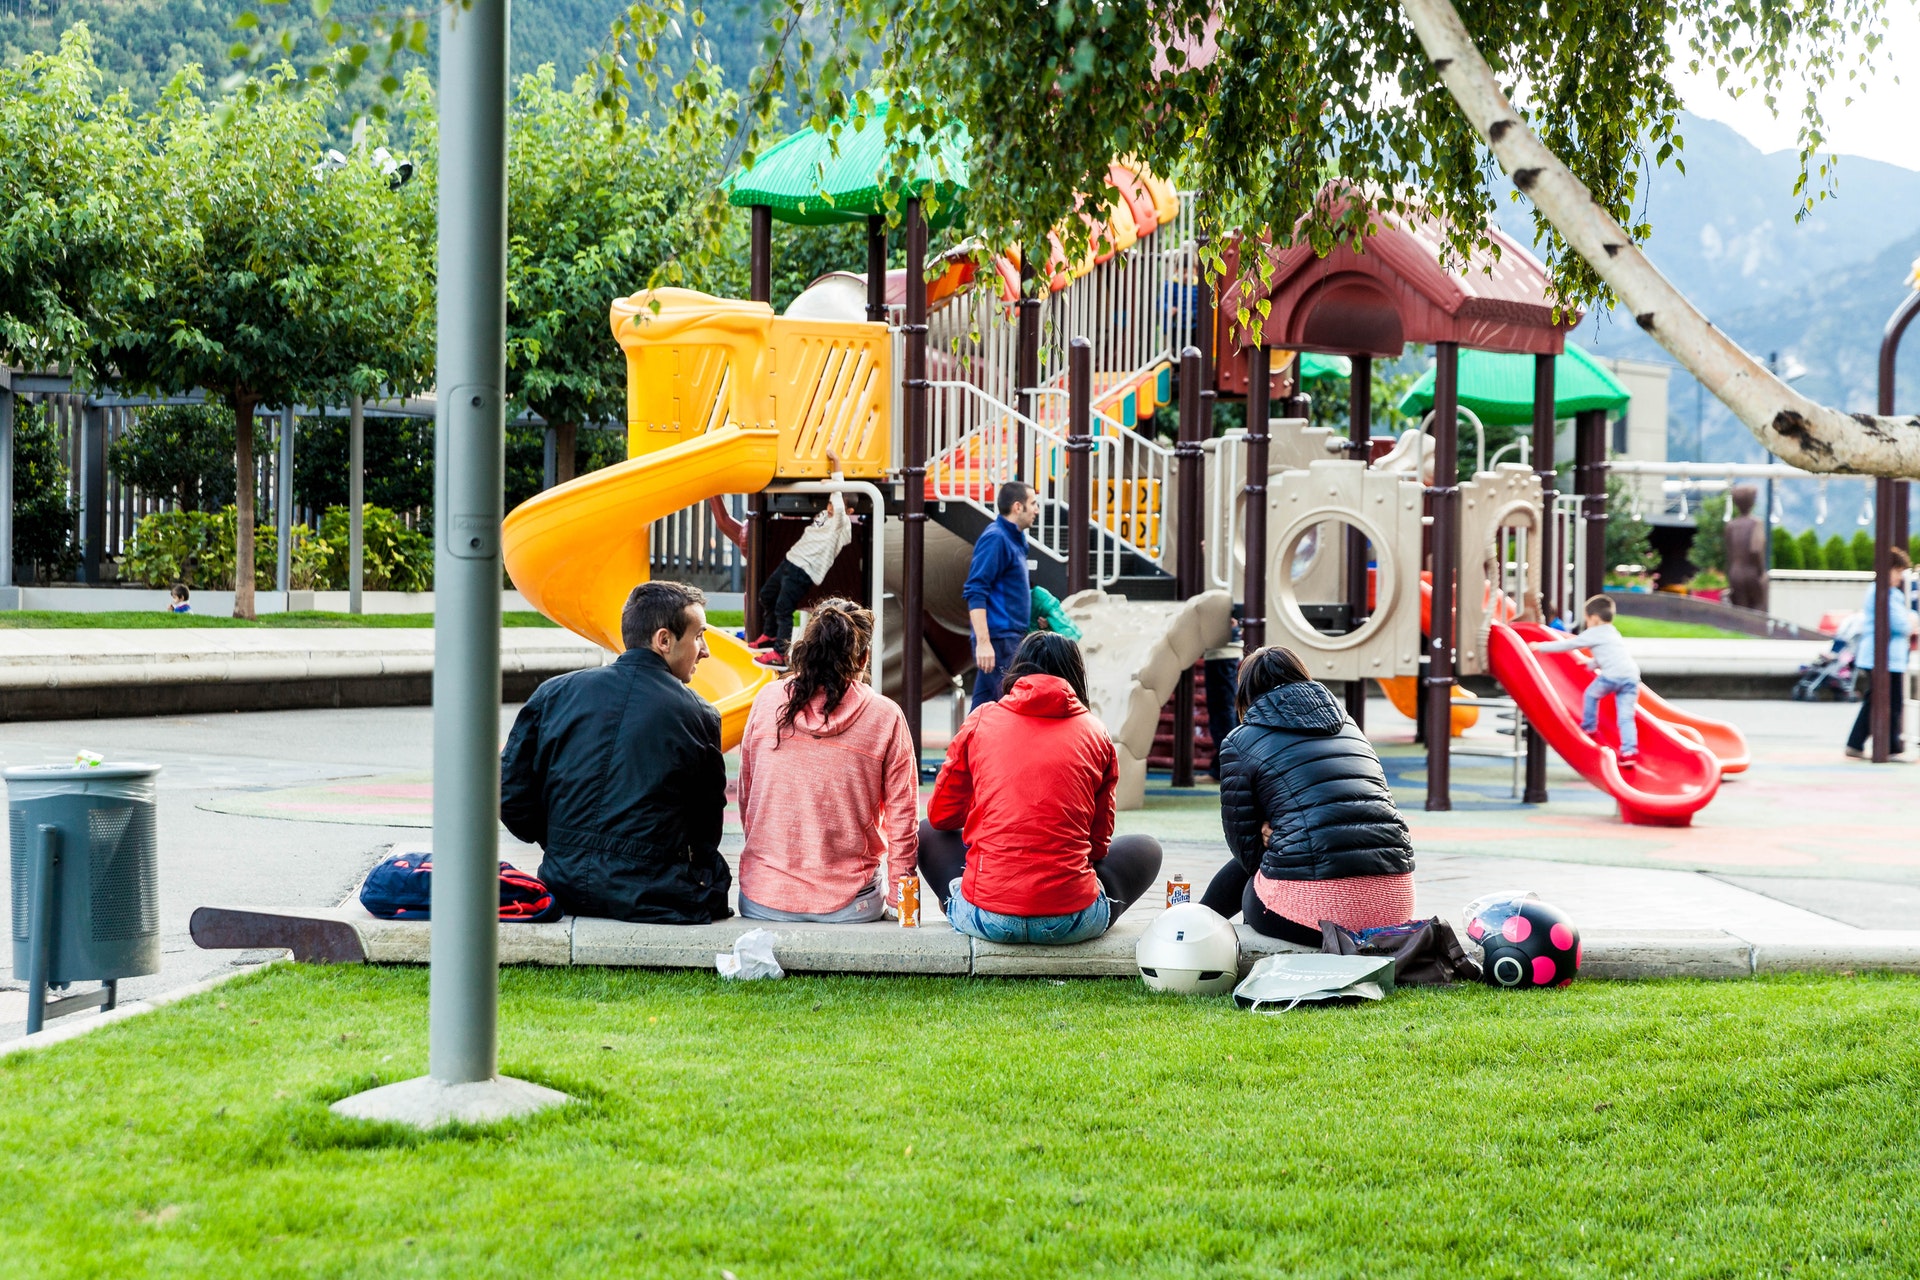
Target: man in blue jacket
999	600
616	772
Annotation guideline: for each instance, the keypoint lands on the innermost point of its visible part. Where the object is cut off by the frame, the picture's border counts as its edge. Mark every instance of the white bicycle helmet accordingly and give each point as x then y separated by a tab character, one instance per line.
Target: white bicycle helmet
1191	950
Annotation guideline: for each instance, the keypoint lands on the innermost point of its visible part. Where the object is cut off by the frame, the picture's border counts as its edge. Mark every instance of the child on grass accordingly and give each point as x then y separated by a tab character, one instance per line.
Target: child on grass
1614	673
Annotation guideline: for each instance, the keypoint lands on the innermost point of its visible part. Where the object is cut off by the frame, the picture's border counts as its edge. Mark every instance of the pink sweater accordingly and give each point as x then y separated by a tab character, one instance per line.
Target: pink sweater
823	803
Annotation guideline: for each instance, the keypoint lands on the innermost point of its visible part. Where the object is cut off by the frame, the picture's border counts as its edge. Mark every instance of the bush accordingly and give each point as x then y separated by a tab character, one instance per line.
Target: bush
45	520
180	452
1709	547
394	557
1913	548
1837	554
1626	532
1863	551
1786	550
196	547
1811	556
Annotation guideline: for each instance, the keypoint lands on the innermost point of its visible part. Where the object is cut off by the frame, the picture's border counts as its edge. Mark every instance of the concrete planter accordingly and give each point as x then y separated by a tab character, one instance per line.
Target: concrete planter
1802	595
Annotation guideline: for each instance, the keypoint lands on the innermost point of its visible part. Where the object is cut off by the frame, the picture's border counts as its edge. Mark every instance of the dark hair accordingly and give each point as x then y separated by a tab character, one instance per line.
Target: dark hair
1011	492
1900	558
1048	653
1600	607
179	591
653	605
1263	671
828	656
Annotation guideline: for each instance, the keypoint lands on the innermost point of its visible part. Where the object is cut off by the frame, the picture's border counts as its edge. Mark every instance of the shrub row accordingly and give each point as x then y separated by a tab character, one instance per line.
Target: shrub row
196	547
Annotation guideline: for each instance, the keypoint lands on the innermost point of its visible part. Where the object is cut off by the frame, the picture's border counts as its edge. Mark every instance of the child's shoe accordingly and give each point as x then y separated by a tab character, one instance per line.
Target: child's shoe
1630	762
772	658
764	642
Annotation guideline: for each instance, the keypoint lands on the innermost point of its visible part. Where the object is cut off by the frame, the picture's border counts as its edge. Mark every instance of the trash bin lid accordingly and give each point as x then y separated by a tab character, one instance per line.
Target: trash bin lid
77	772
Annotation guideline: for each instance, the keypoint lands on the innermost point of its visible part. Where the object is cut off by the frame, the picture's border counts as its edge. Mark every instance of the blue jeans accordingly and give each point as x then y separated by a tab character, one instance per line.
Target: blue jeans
1626	697
986	684
1052	931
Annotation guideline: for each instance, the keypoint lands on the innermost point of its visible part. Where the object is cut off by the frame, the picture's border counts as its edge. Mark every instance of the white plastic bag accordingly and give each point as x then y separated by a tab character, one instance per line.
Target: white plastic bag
752	957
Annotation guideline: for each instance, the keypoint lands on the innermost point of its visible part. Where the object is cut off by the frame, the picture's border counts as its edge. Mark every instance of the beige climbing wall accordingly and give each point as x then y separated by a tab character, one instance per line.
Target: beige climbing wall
1135	652
1506	497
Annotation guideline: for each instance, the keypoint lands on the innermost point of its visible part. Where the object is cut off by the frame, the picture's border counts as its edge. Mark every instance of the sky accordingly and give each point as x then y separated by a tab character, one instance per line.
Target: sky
1879	124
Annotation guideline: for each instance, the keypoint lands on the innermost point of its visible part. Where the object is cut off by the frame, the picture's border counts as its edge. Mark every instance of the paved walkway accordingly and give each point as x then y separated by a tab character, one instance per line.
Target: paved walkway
290	808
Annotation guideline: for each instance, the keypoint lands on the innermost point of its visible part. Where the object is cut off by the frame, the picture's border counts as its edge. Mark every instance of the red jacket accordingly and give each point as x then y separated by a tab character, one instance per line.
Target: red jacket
1029	784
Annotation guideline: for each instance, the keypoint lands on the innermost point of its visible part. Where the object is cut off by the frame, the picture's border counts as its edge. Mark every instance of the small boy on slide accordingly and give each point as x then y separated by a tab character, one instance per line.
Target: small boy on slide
1614	672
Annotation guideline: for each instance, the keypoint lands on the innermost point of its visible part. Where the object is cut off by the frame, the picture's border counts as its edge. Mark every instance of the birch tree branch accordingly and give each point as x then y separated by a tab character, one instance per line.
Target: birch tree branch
1803	433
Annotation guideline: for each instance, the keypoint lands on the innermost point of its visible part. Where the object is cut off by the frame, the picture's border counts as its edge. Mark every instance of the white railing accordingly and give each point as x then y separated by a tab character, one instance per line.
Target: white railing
1138	481
1226	477
975	443
1570	536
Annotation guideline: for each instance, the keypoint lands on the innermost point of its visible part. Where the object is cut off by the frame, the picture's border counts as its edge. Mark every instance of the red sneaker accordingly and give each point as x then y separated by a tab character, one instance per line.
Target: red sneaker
764	642
772	658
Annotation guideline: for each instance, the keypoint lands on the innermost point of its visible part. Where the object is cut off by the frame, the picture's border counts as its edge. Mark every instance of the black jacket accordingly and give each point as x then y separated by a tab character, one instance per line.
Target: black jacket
1299	765
617	773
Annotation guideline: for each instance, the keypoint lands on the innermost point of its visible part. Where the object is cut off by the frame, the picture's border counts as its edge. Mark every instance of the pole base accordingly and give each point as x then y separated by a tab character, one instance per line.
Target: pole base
426	1103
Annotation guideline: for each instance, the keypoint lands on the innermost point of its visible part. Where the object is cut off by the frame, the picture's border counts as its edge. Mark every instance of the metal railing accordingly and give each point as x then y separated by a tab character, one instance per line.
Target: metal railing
1226	513
1137	487
688	546
1570	535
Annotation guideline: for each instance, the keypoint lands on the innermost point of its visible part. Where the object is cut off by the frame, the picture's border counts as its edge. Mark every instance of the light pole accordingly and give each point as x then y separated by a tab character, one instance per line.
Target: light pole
461	1083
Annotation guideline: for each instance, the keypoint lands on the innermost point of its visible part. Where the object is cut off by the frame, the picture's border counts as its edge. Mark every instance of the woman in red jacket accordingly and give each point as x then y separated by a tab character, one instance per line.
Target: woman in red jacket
1018	843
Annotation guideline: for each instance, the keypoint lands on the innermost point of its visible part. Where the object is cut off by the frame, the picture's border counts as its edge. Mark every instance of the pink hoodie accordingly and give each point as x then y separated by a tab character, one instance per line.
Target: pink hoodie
823	802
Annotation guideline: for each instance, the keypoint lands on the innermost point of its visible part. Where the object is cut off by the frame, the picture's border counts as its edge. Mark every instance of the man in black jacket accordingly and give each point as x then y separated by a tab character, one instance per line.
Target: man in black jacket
617	773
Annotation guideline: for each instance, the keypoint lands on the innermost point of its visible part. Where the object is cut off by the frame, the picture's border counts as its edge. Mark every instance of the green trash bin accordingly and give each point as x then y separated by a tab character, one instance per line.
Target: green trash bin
86	904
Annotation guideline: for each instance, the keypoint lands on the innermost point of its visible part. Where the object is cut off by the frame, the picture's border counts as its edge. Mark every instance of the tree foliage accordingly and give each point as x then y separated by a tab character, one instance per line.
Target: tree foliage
181	453
44	514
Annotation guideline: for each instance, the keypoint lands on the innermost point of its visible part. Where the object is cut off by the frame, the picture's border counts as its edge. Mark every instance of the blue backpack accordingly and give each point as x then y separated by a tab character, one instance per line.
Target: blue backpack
401	888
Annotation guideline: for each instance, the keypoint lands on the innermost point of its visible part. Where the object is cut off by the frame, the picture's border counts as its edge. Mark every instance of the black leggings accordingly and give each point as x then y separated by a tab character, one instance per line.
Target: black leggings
780	595
1863	723
1126	873
1231	890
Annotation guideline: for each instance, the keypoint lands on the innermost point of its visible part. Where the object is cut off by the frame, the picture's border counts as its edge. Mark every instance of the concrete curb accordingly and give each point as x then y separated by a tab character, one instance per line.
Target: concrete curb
347	934
63	1031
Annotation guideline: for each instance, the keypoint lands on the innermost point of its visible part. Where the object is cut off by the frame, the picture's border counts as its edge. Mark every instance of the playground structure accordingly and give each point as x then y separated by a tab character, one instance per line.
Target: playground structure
937	386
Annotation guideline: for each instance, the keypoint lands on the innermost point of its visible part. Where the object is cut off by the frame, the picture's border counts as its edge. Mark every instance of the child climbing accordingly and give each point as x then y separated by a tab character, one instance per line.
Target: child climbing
805	568
1614	672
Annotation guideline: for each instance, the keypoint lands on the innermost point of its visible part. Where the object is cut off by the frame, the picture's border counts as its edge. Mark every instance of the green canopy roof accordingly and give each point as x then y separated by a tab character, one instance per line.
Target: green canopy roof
1499	389
1314	366
804	182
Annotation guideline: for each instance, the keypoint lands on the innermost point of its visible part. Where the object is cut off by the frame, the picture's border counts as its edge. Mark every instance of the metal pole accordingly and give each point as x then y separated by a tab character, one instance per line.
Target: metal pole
1590	435
1189	458
759	289
356	500
93	491
1026	355
1550	575
40	942
1889	512
877	268
1253	610
1079	463
1442	496
913	472
469	444
1359	448
6	482
550	457
283	509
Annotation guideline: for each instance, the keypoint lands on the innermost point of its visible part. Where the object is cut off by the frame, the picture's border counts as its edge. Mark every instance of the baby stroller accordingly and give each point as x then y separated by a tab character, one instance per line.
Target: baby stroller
1833	673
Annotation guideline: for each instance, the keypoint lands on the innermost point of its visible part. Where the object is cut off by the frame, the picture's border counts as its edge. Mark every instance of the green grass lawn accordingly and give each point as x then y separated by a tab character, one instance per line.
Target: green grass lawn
1657	629
861	1127
156	619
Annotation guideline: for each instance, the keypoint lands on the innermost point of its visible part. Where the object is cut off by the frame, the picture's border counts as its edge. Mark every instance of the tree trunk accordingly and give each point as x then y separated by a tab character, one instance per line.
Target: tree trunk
565	437
1803	433
243	507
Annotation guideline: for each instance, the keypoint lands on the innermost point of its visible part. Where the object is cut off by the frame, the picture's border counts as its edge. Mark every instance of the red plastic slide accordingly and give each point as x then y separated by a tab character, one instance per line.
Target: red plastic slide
1676	776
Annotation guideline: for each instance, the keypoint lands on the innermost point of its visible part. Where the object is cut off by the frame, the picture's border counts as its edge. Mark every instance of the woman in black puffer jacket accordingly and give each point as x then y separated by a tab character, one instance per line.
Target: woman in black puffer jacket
1309	817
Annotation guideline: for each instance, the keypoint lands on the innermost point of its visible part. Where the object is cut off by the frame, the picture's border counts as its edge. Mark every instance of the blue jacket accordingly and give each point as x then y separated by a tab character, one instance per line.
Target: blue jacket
997	582
1899	632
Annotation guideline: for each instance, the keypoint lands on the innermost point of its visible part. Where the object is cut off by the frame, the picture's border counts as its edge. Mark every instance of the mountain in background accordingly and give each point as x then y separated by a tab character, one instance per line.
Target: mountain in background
1816	292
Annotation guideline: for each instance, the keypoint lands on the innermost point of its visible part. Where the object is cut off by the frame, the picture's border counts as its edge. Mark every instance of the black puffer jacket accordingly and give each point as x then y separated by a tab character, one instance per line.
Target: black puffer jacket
616	772
1299	765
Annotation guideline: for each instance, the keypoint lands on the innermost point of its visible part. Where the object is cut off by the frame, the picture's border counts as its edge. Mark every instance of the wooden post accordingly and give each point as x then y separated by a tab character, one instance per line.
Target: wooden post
877	268
1253	612
1079	462
759	289
913	472
1359	448
1189	458
1442	497
1542	550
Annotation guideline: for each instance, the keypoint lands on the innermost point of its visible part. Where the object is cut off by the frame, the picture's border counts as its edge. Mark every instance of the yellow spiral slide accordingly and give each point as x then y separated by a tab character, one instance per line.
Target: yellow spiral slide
722	397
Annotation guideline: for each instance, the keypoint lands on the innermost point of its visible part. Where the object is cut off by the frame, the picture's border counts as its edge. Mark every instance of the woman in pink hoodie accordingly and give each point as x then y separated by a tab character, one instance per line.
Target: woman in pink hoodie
829	788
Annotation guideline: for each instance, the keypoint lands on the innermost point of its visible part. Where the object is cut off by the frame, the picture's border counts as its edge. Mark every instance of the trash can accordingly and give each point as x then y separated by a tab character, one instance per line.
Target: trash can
85	882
